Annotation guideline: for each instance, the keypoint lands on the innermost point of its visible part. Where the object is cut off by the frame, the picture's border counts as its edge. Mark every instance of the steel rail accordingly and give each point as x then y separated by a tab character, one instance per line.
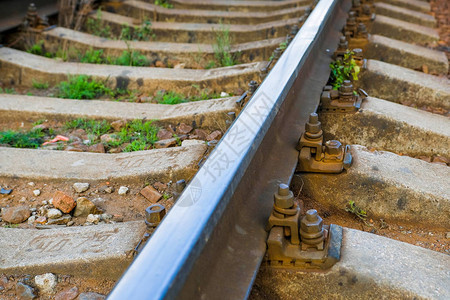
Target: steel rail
212	242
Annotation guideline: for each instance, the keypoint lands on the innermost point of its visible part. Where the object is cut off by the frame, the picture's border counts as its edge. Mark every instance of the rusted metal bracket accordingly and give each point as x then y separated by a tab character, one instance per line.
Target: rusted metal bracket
344	100
314	156
302	244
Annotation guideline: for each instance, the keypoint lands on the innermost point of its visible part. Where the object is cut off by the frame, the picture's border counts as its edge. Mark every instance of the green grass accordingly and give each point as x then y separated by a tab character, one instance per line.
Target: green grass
139	134
40	85
39	49
163	3
97	128
137	33
92	56
7	90
82	87
170	97
95	26
130	58
17	139
222	48
343	69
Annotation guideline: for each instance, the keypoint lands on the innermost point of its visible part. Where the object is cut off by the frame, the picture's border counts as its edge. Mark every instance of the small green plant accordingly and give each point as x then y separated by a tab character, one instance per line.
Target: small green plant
90	126
170	98
166	196
137	33
83	87
222	47
343	69
95	26
130	58
38	122
92	56
177	139
29	139
358	212
11	226
163	3
37	48
7	90
40	85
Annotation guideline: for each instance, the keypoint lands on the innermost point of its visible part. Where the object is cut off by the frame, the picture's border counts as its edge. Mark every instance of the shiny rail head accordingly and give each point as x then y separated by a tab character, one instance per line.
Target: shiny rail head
164	265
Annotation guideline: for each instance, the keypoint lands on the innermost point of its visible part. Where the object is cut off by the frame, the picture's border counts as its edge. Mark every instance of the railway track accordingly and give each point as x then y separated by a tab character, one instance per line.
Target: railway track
133	103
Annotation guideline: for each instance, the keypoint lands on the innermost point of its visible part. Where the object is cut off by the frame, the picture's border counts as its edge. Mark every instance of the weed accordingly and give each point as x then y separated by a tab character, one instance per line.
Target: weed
170	98
141	135
166	196
163	3
130	58
11	226
95	26
82	87
36	48
358	212
7	90
137	33
97	128
29	94
222	48
30	139
39	85
177	139
38	122
92	56
211	65
343	69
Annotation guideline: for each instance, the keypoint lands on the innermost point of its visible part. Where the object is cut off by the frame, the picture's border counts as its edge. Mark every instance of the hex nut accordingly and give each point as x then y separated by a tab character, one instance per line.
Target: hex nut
283	198
311	222
154	214
333	147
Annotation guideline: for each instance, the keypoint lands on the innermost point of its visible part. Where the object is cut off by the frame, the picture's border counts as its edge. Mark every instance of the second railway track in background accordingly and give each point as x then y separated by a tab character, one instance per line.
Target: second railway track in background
142	57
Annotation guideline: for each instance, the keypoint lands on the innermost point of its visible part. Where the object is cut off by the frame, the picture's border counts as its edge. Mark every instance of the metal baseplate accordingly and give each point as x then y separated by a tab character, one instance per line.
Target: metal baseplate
344	100
315	156
300	243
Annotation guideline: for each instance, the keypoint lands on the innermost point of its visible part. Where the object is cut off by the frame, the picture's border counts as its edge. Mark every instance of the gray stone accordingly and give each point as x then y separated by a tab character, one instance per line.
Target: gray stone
102	251
123	190
387	186
94	219
91	296
37	192
24	292
31	220
67	294
54	213
46	282
371	267
80	187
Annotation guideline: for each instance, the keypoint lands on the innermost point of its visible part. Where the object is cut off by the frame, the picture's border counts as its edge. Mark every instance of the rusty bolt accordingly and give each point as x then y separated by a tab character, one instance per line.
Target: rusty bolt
154	214
311	231
343	44
313	128
252	86
277	53
294	29
283	198
366	9
358	53
361	30
333	147
180	185
346	89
